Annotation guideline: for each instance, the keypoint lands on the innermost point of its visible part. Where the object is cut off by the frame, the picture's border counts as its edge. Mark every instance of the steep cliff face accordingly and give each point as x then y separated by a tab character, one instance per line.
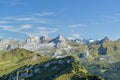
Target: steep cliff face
59	41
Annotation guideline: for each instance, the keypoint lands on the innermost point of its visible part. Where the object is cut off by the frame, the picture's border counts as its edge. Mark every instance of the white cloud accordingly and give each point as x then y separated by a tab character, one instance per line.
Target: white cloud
29	24
46	30
40	21
44	14
5	27
42	28
29	19
40	31
71	38
4	22
20	18
26	26
15	28
11	2
76	25
10	28
1	36
25	19
76	35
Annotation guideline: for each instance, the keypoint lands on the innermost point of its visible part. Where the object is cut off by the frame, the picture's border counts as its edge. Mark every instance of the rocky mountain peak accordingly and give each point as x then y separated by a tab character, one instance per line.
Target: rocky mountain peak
33	39
44	38
106	39
59	41
60	37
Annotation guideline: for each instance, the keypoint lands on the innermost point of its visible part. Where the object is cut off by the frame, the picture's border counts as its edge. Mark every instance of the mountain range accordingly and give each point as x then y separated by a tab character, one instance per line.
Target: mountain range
39	58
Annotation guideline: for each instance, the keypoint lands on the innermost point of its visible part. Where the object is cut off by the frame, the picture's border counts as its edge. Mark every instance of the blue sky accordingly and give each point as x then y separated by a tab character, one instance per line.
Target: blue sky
72	18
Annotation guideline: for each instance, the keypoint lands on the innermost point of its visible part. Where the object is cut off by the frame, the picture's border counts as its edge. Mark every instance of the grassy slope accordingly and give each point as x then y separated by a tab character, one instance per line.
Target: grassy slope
64	71
17	58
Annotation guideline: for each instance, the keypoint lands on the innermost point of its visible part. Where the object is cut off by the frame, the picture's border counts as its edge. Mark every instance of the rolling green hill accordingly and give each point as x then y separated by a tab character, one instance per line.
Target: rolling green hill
56	69
16	58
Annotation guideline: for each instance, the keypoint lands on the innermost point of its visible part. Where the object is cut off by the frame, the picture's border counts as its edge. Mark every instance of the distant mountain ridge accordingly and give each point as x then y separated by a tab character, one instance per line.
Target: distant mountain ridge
33	43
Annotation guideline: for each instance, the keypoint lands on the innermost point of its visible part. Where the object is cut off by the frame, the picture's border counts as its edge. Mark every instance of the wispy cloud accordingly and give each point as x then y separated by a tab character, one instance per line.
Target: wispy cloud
36	24
40	31
29	19
10	28
42	28
45	30
25	19
12	2
74	36
8	18
28	28
17	29
43	14
4	22
77	25
25	26
1	36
